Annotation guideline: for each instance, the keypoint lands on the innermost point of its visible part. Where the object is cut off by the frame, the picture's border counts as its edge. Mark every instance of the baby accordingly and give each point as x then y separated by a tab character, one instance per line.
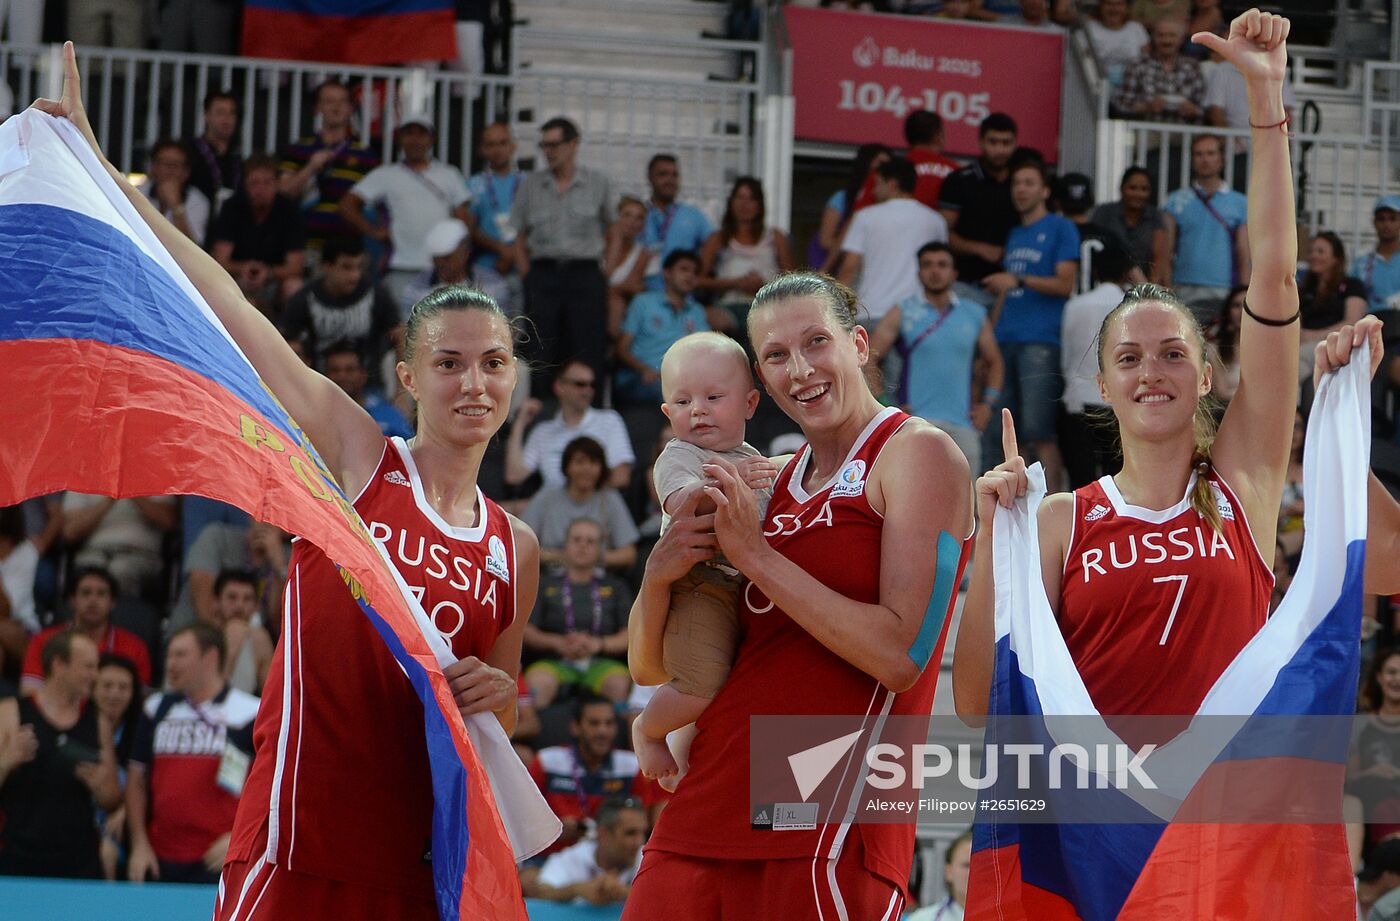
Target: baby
709	396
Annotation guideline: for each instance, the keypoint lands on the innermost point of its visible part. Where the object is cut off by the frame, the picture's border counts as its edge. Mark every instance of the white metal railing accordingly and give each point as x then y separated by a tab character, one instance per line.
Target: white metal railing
1337	201
777	124
135	97
1314	69
629	47
1380	111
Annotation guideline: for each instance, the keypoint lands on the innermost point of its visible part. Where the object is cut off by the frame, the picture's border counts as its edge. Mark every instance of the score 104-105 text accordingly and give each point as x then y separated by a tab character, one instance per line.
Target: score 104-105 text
954	106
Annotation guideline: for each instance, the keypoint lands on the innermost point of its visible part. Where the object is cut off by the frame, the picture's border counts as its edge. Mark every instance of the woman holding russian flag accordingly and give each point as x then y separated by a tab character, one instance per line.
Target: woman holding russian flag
337	808
1160	575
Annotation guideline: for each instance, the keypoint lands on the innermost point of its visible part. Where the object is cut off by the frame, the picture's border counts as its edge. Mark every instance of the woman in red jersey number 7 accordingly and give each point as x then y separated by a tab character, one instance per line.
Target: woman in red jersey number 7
851	578
336	812
1161	574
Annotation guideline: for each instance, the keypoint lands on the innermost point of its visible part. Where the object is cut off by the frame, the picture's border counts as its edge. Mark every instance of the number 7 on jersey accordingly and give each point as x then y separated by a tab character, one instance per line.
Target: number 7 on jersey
1176	604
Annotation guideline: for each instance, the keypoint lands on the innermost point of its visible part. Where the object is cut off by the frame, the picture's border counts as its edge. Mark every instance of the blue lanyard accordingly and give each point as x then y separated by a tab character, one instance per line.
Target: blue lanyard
667	216
579	777
491	189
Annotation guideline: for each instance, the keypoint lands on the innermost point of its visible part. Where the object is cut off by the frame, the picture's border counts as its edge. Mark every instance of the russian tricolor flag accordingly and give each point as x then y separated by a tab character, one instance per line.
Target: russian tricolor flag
1169	853
119	380
350	31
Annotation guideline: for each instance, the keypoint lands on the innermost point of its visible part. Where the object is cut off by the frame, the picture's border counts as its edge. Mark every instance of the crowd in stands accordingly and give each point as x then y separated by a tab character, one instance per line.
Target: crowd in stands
135	634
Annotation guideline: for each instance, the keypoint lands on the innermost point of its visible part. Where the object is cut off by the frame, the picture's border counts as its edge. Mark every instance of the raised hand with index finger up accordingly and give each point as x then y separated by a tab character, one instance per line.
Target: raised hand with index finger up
1007	481
70	104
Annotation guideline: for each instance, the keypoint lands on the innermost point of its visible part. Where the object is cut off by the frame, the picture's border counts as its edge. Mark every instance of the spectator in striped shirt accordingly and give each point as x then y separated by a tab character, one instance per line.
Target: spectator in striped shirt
318	170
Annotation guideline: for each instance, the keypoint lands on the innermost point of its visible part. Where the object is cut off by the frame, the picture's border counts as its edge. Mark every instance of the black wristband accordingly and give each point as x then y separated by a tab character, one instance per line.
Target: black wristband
1267	322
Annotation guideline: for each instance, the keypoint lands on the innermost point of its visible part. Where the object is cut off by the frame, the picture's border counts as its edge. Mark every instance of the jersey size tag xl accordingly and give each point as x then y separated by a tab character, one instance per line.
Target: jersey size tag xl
784	817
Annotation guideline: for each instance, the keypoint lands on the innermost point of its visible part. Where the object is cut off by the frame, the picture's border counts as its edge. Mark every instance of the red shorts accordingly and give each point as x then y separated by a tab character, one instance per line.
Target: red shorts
255	890
675	887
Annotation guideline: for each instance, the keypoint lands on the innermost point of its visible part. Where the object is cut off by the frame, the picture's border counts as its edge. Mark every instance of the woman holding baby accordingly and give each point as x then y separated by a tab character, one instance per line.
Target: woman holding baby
849	583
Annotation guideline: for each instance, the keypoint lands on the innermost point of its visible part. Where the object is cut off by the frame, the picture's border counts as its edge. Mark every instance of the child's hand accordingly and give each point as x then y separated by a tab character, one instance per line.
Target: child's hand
757	472
737	523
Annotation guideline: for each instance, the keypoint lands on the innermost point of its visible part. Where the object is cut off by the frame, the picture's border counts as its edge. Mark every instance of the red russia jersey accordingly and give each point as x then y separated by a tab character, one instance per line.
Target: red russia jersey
116	640
341	777
833	535
931	169
1155	604
181	745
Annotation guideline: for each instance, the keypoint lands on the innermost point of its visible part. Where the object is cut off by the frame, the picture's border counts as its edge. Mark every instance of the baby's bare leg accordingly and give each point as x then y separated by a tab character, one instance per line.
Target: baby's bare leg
679	742
668	710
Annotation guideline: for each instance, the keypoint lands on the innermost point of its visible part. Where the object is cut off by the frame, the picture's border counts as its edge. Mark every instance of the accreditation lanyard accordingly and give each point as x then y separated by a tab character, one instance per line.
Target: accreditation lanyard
595	591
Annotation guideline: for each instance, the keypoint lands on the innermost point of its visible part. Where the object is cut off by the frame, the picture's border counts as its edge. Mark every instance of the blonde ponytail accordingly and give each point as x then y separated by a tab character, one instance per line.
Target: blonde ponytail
1203	495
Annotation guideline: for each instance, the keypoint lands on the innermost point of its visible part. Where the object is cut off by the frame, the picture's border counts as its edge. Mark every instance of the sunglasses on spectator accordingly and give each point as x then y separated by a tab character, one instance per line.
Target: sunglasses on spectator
552	145
582	385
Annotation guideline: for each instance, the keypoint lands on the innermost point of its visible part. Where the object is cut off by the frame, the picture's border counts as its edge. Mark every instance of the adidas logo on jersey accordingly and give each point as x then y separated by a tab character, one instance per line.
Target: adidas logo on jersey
397	478
1097	512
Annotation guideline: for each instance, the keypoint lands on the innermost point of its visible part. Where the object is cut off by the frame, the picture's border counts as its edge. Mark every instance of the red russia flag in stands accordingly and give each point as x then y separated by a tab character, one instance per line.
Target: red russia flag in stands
120	381
1224	840
350	31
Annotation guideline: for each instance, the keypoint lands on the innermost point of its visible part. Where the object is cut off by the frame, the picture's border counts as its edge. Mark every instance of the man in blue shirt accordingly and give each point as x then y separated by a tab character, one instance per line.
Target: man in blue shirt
1037	278
654	321
493	237
670	225
1379	269
939	336
1207	248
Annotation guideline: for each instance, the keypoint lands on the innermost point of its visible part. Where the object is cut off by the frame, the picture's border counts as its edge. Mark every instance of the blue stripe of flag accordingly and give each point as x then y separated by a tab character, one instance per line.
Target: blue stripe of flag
70	276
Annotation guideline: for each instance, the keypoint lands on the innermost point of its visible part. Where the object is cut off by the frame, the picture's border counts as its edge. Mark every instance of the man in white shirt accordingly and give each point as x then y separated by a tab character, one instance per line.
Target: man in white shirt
544	449
1117	40
123	536
597	870
1227	106
418	192
1088	438
169	189
882	241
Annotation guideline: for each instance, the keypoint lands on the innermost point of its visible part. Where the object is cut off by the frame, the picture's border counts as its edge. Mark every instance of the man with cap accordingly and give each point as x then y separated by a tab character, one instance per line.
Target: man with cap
1380	879
1075	194
418	192
1378	268
448	244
